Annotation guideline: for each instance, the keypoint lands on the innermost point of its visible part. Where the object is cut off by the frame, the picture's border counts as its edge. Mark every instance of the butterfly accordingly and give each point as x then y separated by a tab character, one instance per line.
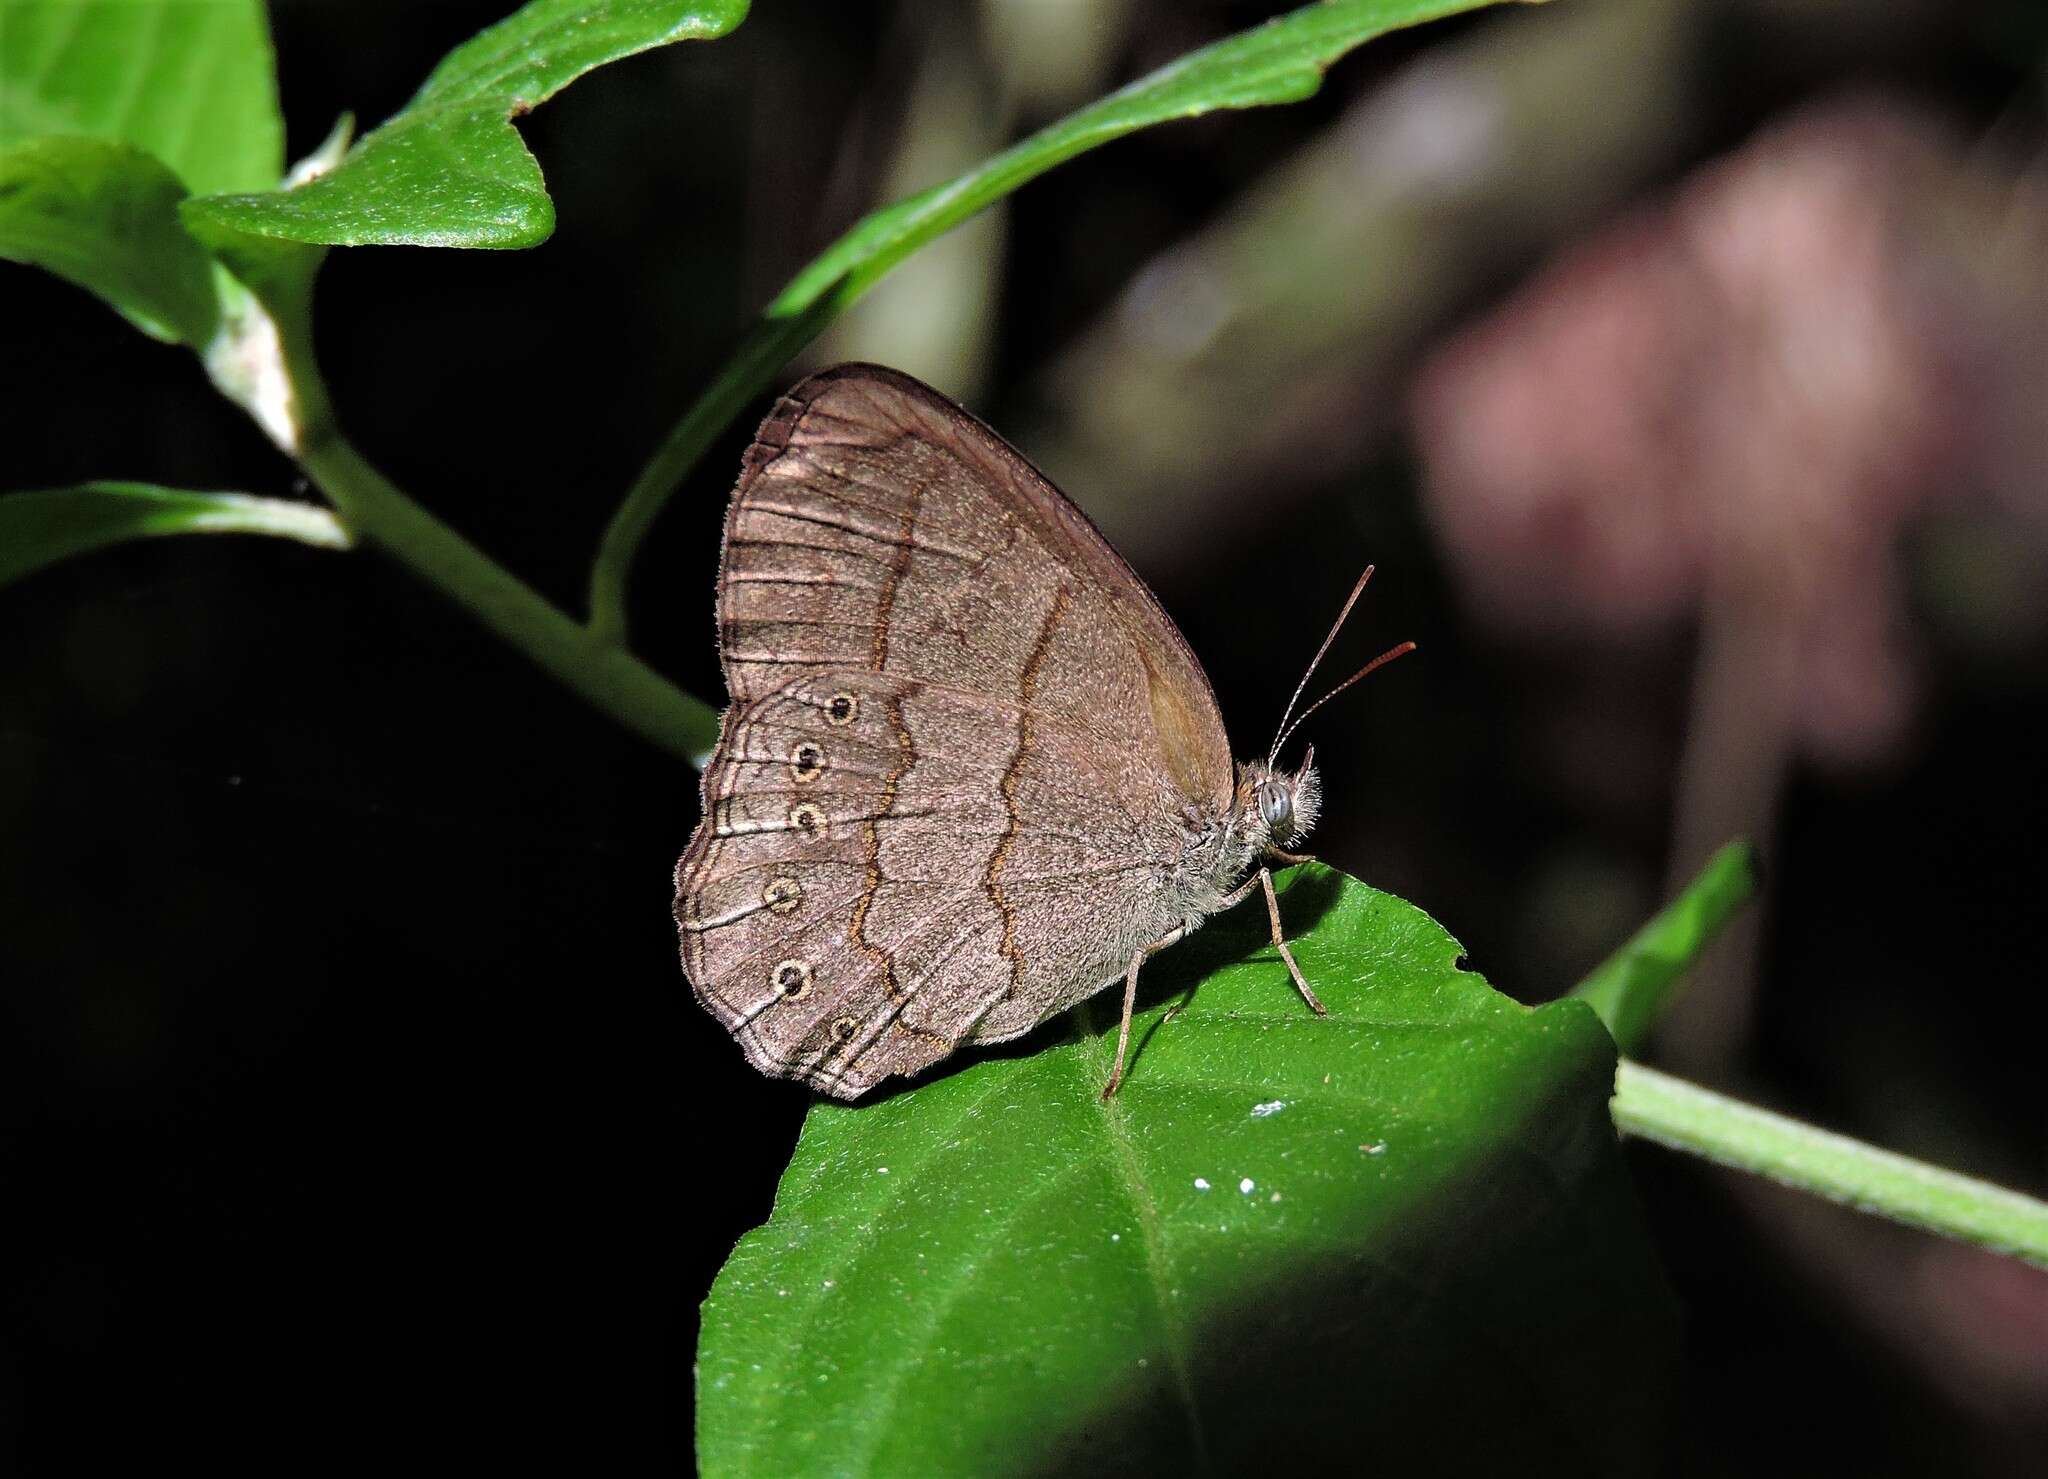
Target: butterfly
971	773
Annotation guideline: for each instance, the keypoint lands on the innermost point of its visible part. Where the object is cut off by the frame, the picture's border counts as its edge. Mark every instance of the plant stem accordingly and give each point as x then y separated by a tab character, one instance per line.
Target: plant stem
603	673
769	345
1683	1116
1280	61
262	359
1633	985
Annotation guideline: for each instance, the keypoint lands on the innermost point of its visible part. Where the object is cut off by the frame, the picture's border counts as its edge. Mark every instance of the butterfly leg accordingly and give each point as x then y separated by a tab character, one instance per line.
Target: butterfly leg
1229	901
1123	1032
1280	944
1264	879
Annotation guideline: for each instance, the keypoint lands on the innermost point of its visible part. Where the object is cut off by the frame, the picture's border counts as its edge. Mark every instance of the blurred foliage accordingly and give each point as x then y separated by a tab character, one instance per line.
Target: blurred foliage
192	86
105	215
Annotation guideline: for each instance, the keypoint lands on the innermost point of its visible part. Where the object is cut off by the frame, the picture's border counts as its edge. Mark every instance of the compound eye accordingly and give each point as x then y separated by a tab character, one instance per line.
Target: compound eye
1276	804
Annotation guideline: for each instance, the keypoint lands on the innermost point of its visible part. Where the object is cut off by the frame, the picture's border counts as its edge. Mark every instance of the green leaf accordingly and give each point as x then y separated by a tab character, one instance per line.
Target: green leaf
1397	1237
1281	61
449	169
1631	987
191	84
43	527
105	215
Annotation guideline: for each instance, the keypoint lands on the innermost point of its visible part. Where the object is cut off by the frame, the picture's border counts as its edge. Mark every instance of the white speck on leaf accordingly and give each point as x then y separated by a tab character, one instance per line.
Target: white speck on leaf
1201	1183
1271	1106
1246	1185
1378	1147
881	1170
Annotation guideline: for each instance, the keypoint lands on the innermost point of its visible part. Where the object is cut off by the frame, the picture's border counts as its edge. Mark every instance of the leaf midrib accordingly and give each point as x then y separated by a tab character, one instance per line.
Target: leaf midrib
1125	1172
1124	1157
1128	1175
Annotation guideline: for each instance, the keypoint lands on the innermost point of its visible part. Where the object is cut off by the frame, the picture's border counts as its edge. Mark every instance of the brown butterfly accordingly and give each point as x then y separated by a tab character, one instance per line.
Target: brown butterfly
971	773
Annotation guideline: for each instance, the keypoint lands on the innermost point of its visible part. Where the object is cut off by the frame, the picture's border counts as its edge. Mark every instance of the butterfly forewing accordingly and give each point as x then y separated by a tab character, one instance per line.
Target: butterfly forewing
962	740
879	527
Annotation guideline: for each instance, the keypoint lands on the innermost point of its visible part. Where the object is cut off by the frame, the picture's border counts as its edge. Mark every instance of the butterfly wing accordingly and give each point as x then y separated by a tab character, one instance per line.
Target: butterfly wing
964	741
878	526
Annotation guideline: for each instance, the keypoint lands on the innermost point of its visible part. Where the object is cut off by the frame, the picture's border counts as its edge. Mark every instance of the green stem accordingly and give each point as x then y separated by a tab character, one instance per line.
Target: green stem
1672	1112
603	673
264	361
1631	988
770	345
1281	61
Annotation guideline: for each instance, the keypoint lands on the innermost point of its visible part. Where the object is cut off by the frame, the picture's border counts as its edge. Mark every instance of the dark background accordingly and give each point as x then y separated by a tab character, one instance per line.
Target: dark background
351	1101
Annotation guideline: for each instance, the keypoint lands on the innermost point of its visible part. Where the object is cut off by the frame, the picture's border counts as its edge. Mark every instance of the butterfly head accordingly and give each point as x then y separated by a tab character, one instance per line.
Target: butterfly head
1276	809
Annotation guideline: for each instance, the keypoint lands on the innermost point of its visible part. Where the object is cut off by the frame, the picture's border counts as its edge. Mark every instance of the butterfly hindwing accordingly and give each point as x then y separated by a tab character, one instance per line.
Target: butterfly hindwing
869	888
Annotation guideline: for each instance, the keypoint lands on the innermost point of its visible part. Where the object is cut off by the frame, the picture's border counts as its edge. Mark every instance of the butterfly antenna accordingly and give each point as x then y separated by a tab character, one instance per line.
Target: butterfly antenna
1379	662
1337	626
